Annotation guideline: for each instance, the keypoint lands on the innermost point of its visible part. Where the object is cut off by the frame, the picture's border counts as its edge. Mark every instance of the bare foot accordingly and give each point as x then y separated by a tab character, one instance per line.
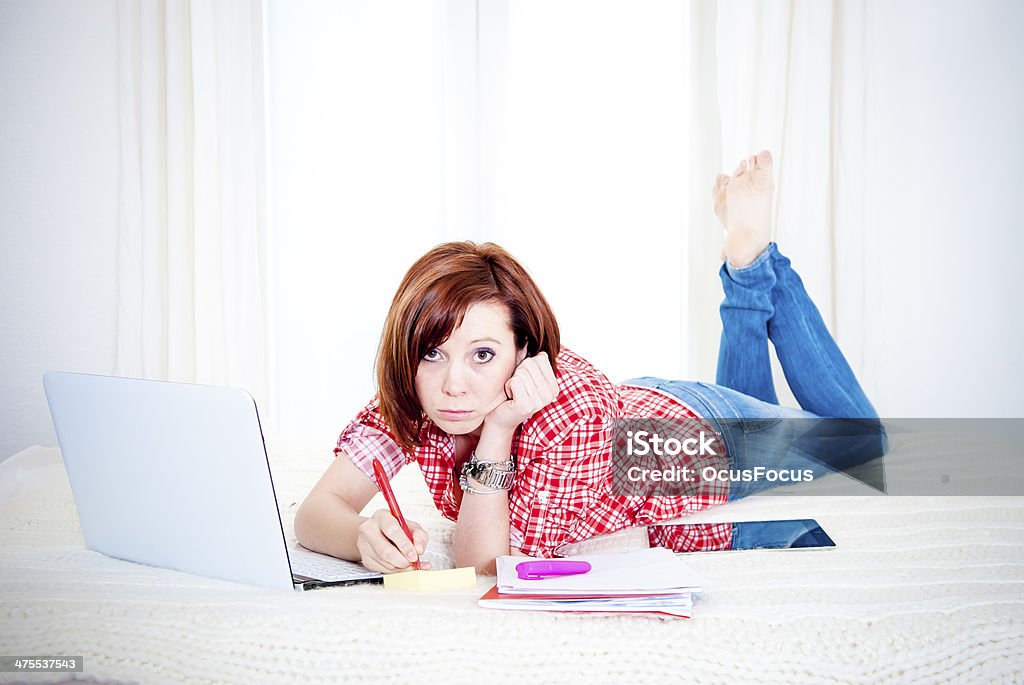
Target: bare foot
743	202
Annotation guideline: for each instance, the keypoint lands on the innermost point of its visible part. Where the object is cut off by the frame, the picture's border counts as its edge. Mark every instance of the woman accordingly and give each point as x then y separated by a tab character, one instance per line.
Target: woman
515	434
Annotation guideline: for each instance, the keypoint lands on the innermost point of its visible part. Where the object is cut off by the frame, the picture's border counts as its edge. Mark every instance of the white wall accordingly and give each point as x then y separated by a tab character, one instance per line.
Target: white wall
58	225
943	187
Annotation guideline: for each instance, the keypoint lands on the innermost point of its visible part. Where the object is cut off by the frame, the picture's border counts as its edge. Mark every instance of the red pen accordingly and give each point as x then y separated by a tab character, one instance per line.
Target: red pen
389	496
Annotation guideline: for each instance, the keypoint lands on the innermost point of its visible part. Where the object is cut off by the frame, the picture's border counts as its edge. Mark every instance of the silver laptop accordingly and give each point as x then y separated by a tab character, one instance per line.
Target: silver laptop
177	476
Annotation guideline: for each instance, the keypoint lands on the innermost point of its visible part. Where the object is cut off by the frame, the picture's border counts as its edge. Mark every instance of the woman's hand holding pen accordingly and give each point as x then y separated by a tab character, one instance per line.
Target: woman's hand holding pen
531	387
385	547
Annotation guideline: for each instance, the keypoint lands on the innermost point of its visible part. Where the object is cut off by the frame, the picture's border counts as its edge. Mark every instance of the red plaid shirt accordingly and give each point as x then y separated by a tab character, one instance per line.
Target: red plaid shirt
563	490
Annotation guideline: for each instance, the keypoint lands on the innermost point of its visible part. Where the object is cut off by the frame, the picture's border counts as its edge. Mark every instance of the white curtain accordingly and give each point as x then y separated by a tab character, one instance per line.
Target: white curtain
191	275
789	78
604	124
589	147
582	135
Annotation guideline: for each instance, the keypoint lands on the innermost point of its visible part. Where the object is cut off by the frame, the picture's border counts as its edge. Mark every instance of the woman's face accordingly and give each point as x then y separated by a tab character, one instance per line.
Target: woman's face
459	382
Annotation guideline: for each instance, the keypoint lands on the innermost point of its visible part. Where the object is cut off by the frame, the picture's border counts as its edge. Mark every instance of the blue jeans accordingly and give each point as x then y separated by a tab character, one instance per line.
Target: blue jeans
766	300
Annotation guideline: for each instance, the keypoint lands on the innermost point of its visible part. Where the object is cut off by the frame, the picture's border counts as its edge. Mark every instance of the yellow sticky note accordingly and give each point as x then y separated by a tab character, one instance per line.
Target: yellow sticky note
431	581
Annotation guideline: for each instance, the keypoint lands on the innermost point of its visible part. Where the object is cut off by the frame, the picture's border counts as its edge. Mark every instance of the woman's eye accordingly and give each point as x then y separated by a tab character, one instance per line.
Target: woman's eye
432	356
483	355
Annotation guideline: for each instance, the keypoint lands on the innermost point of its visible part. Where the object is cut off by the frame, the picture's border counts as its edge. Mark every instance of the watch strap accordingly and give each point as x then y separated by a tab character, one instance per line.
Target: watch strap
498	475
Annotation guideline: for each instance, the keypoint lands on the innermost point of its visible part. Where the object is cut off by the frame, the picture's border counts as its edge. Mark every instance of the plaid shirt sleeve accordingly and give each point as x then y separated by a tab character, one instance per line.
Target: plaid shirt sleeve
367	437
694	537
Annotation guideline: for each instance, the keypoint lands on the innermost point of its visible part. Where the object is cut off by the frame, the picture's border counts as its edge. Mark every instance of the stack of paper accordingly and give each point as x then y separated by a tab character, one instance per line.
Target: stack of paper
650	580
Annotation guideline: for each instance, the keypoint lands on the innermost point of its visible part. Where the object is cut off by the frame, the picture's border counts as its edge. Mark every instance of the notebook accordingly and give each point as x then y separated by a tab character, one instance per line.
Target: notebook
176	475
646	580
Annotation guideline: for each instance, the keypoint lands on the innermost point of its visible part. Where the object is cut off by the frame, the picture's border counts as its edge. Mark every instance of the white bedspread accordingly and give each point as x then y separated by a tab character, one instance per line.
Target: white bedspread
918	589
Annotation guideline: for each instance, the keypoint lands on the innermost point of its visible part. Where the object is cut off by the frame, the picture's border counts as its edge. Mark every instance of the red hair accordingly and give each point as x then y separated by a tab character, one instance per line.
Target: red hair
431	303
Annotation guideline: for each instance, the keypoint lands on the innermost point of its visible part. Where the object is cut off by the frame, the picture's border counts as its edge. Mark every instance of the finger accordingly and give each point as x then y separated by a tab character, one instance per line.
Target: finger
549	377
386	541
369	540
540	391
371	564
546	365
388	568
542	376
419	537
519	394
394	533
534	377
385	553
529	359
389	555
525	360
370	558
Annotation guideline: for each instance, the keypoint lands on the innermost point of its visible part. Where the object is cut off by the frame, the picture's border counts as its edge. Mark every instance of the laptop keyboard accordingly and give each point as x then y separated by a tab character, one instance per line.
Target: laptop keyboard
327	568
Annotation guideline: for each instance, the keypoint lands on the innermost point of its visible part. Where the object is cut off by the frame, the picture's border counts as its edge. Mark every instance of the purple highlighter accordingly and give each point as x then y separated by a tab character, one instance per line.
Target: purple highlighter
538	570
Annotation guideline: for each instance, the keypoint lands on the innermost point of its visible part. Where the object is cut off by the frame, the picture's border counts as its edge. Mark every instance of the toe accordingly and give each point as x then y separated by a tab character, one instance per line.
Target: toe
740	168
719	188
764	160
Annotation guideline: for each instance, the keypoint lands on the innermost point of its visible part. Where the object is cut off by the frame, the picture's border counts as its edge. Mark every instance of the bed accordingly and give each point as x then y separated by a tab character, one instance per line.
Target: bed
919	589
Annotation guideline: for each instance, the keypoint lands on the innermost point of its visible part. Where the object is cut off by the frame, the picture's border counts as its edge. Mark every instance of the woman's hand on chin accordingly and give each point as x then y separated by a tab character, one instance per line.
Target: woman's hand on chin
531	388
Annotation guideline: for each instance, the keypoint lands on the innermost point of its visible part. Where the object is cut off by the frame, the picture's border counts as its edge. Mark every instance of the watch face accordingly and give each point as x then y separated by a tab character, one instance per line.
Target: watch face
469	470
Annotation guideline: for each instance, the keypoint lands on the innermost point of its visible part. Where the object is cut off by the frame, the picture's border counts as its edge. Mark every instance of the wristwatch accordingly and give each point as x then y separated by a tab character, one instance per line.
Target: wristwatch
491	474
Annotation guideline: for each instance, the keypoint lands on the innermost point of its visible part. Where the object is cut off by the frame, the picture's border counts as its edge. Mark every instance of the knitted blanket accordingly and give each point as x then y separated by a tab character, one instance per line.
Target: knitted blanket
918	589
